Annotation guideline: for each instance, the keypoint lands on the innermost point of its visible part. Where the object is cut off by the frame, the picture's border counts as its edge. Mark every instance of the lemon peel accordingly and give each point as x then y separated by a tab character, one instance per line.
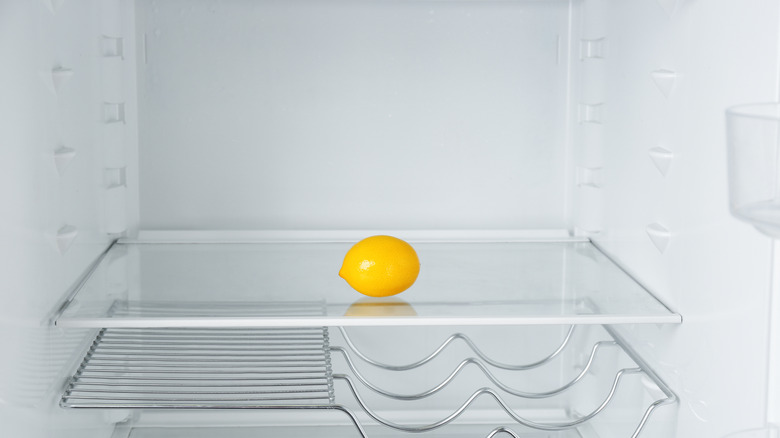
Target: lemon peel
380	266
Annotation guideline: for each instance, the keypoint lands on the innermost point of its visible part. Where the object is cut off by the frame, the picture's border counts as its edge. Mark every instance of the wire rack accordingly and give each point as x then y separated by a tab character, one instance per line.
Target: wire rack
203	368
290	368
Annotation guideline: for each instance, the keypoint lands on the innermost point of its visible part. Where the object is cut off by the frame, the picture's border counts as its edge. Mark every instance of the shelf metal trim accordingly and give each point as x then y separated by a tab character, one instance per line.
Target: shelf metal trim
626	271
330	236
71	293
286	322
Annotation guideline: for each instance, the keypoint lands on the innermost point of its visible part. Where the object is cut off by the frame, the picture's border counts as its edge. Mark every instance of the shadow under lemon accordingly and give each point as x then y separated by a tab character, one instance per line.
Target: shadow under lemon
387	306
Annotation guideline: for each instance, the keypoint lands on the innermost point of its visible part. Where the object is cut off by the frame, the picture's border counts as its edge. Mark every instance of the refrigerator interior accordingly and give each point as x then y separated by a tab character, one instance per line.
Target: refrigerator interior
593	129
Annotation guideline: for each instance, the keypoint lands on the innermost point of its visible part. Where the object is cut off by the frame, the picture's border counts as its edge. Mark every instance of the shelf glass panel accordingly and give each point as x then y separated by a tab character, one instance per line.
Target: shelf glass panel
297	284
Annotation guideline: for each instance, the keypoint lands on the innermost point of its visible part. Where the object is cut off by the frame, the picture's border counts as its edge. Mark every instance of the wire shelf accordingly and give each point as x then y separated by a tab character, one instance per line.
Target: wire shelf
195	368
290	368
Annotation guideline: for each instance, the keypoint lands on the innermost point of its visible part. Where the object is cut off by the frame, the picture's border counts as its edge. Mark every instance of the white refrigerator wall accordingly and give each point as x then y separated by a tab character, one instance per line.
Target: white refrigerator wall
652	189
353	114
60	84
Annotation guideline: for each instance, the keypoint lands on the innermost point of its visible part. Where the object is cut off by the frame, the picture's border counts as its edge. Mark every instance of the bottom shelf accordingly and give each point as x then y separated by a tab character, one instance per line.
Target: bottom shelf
325	374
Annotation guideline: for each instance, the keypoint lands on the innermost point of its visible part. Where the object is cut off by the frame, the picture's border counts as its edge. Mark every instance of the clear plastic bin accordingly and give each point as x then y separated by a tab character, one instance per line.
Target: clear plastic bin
753	133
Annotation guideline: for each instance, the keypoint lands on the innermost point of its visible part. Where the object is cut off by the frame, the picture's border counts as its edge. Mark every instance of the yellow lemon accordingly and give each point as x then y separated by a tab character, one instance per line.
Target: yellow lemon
380	266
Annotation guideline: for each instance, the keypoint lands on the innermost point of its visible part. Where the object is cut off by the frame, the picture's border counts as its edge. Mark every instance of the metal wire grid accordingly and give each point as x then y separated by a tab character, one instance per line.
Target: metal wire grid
480	362
203	368
288	369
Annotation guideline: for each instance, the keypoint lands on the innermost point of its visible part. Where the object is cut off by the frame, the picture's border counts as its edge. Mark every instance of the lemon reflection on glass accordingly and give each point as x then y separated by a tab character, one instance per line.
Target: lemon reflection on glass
380	307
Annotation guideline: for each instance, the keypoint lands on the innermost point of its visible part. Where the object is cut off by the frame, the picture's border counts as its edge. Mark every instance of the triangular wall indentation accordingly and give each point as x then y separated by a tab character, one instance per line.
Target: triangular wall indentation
55	78
64	238
664	80
669	6
62	157
662	159
659	235
53	5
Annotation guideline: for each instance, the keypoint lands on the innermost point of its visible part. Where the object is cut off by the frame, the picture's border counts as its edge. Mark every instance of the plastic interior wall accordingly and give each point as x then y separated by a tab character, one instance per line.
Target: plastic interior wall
352	114
60	92
654	79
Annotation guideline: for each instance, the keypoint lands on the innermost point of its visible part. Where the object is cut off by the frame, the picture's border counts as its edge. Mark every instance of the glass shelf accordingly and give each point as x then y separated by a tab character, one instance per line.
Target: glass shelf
297	285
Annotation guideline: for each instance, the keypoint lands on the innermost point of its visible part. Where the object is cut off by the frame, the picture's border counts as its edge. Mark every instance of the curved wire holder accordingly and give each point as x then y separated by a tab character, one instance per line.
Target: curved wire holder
641	368
469	343
500	401
502	429
476	362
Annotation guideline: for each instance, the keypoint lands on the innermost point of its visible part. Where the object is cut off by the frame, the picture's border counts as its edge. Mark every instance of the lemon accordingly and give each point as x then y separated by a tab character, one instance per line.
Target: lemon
380	266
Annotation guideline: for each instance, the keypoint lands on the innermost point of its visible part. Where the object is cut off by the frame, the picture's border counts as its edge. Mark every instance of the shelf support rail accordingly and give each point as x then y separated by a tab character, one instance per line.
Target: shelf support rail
671	397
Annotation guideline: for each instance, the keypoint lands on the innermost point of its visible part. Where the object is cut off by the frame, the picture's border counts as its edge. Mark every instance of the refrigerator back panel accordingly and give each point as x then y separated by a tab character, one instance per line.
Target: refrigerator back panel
352	114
